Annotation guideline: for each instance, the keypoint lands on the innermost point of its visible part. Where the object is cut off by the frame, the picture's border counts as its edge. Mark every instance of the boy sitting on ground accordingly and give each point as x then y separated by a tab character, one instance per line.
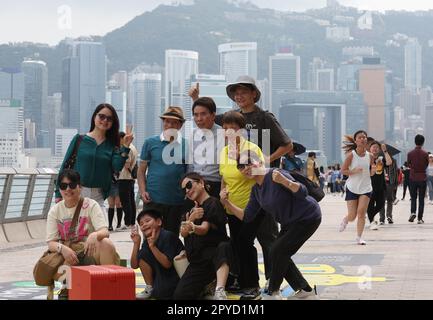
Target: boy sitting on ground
155	258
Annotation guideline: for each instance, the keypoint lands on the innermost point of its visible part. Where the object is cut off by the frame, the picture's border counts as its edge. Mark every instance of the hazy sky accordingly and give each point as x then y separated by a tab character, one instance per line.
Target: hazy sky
49	21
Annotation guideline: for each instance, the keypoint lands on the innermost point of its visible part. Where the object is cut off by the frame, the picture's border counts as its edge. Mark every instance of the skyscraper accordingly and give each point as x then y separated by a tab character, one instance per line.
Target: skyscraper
180	65
238	59
84	81
12	84
284	75
325	79
372	85
117	98
35	98
413	64
54	116
147	104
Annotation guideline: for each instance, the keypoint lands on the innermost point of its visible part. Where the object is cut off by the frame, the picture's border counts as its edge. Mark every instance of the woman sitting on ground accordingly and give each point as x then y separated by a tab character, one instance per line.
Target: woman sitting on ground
90	243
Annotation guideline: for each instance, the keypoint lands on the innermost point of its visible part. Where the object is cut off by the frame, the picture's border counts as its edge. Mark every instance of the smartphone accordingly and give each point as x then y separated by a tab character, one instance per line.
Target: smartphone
129	128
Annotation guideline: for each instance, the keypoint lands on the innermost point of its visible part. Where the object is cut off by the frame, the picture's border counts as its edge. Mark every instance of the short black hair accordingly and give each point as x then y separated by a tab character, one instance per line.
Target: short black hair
311	154
122	134
419	140
235	117
155	214
71	175
205	102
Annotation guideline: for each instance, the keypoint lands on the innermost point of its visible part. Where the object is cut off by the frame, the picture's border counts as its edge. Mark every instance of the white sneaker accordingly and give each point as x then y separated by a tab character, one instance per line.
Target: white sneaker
146	293
220	294
274	296
343	224
360	241
373	226
305	295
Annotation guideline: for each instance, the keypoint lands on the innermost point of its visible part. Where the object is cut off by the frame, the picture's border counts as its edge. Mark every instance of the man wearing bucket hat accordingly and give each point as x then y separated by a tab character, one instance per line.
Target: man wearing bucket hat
246	94
164	158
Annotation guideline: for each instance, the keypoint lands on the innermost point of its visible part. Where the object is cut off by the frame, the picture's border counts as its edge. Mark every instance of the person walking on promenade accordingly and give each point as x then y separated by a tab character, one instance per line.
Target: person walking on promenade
406	174
418	162
391	180
358	185
377	200
97	154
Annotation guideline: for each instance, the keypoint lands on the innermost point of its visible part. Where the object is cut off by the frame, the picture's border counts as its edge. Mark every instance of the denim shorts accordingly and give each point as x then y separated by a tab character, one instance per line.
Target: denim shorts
353	196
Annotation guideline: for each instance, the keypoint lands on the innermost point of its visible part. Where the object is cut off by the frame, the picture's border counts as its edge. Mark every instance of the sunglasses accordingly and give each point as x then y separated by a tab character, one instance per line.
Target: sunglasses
104	117
241	166
188	186
71	185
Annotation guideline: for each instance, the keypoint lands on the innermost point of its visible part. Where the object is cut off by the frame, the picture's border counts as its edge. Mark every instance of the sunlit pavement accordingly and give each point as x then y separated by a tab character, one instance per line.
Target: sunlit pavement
396	263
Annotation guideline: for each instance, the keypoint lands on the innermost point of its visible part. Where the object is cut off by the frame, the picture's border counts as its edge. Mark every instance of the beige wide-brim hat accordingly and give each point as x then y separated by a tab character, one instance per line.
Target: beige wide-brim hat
175	113
246	82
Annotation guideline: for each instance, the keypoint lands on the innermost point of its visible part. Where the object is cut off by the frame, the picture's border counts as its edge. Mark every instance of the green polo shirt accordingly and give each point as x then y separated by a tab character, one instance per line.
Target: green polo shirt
95	163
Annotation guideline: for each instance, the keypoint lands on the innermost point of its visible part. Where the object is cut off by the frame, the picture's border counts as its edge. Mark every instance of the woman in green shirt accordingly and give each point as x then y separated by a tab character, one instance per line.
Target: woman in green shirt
99	154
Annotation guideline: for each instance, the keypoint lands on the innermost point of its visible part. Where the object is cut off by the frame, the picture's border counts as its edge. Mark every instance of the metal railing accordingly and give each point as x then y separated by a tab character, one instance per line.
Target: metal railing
26	194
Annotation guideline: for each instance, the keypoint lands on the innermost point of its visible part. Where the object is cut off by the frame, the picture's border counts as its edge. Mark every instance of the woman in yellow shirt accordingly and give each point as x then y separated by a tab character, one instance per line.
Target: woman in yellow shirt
233	182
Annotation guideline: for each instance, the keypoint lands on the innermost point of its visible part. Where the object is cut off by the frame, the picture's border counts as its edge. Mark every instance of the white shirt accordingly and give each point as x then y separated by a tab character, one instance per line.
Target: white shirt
360	183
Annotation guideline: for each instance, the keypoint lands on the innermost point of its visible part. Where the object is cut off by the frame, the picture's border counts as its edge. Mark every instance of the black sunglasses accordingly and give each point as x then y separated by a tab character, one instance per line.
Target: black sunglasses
241	166
64	185
103	117
188	186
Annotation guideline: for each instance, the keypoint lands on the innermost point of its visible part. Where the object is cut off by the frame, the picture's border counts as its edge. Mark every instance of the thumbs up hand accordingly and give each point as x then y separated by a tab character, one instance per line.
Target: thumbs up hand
196	213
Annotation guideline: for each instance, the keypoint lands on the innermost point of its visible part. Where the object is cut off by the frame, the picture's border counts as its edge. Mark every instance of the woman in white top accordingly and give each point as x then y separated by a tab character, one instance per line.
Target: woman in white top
430	177
358	186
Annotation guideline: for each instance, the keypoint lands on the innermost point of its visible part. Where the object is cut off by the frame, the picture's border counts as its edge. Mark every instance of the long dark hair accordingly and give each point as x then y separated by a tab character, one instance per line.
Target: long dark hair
350	142
112	135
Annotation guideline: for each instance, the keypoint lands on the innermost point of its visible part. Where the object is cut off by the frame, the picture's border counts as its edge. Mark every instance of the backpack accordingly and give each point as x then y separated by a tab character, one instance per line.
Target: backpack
313	189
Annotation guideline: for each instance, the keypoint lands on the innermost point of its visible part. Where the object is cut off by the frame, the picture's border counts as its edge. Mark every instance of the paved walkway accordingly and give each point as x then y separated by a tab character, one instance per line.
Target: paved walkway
396	263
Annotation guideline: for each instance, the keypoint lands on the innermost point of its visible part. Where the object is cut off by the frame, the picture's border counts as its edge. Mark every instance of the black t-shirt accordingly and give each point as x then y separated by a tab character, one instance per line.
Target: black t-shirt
164	280
378	180
266	121
199	248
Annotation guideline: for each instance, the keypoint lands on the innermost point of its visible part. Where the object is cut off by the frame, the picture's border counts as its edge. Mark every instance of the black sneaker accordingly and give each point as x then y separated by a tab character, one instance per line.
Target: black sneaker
234	287
64	294
110	228
412	217
390	221
250	294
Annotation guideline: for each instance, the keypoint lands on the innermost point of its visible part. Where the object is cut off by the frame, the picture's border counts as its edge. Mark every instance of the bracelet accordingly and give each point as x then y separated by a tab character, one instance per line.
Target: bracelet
59	248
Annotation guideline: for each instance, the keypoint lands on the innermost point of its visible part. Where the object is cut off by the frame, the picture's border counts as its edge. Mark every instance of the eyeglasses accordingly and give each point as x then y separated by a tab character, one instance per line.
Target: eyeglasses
72	185
188	186
104	117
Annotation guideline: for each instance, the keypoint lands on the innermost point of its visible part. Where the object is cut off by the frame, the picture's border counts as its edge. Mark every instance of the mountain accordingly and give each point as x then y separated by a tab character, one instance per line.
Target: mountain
208	23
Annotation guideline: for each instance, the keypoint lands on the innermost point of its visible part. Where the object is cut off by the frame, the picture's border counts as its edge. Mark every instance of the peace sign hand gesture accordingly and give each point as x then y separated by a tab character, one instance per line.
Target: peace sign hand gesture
127	139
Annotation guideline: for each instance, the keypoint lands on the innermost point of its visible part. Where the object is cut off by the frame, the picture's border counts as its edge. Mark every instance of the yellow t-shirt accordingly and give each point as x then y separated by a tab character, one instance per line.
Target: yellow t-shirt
238	186
60	218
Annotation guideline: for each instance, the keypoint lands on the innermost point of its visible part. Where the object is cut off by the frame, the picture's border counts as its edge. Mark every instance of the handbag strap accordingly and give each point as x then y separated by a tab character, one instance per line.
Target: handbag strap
74	221
73	157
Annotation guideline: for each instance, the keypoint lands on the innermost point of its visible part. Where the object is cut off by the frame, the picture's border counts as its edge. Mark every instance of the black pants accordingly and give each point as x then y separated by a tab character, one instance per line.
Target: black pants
235	226
289	241
201	273
171	215
417	189
405	186
377	202
265	226
390	198
126	194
